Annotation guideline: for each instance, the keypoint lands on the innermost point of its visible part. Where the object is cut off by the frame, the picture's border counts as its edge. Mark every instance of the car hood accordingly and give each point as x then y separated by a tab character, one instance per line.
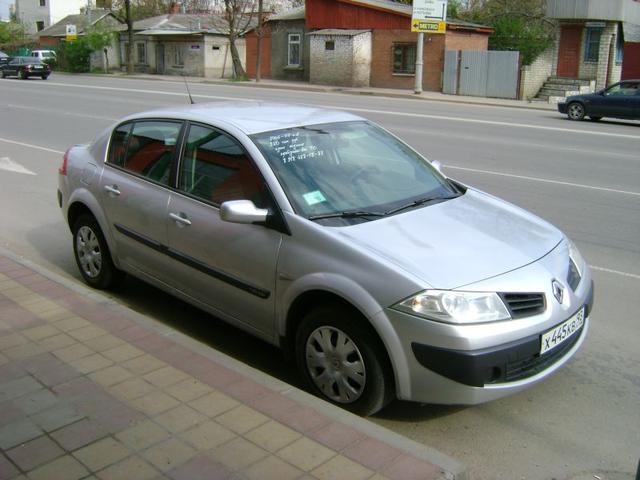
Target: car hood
458	242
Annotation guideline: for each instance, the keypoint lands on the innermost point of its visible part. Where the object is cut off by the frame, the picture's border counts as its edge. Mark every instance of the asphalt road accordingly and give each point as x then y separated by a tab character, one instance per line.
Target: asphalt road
583	177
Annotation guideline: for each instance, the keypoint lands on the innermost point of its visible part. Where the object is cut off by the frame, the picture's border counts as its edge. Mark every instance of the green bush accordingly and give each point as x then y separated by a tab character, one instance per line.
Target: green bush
76	56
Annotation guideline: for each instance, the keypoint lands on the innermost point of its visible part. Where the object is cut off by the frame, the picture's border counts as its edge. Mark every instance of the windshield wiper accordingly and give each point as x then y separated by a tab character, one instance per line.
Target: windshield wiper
420	201
347	214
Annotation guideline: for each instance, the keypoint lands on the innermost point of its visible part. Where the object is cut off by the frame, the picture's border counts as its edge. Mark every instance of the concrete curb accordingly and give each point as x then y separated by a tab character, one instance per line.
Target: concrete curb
454	469
457	100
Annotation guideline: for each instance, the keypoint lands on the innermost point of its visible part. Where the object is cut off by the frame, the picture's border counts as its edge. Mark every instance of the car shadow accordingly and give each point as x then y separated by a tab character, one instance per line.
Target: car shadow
410	412
612	121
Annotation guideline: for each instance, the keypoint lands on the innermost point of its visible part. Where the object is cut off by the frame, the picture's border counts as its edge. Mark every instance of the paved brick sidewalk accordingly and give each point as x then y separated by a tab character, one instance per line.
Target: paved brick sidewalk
88	392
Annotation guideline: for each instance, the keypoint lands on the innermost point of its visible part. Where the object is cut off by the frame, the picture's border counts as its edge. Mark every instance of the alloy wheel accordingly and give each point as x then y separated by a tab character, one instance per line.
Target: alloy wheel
88	251
576	111
335	364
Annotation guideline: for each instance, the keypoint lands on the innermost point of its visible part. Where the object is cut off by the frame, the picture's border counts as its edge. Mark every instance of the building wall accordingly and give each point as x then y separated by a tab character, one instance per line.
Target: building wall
280	51
604	71
29	11
99	62
348	64
331	14
251	42
631	62
217	56
533	76
462	40
382	60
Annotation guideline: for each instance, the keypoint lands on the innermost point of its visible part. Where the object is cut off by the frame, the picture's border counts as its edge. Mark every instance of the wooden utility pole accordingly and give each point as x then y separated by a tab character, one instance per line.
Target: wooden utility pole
259	40
127	10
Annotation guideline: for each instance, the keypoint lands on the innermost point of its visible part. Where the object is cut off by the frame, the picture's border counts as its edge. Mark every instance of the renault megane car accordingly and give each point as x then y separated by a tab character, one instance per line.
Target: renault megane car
322	233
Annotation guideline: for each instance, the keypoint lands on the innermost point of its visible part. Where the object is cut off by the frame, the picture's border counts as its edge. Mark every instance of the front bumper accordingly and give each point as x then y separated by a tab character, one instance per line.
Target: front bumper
510	362
562	107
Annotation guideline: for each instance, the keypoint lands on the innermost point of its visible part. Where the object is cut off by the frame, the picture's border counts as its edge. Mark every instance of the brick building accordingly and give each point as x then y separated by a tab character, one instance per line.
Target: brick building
358	43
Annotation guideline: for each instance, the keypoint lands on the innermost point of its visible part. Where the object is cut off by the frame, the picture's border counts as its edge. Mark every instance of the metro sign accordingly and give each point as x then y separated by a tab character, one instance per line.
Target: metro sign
429	16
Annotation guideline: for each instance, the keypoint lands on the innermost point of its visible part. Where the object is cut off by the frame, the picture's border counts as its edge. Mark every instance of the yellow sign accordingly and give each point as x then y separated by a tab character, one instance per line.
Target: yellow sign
71	33
428	26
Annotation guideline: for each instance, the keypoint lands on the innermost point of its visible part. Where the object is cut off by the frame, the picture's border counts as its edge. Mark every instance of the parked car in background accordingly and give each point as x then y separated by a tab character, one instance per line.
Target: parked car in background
621	100
44	54
324	234
4	58
25	67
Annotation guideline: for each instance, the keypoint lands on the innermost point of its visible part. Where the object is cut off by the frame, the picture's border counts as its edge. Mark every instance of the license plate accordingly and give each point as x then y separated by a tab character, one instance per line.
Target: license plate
562	332
37	67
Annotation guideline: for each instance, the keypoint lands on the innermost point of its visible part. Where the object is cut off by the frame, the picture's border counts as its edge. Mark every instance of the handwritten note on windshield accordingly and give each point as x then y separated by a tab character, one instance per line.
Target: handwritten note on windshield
291	147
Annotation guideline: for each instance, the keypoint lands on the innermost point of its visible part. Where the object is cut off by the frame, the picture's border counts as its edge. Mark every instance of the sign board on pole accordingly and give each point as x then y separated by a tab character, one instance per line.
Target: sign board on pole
429	16
72	33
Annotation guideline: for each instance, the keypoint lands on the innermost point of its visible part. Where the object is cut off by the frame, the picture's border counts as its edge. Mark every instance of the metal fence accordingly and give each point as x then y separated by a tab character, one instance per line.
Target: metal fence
485	73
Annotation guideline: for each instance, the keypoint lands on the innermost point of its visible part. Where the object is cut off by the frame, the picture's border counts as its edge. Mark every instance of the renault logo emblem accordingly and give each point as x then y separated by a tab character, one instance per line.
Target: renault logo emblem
558	290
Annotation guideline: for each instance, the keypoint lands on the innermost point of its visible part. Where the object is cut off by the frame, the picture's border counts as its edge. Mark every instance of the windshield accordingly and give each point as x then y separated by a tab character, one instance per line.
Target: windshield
352	171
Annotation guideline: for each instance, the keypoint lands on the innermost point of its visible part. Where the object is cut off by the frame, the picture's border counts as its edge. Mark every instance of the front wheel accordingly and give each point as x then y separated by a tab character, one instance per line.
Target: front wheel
576	111
92	254
343	361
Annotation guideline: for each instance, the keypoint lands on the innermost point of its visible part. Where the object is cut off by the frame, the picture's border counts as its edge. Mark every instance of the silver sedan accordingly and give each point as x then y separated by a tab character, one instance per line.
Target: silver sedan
324	234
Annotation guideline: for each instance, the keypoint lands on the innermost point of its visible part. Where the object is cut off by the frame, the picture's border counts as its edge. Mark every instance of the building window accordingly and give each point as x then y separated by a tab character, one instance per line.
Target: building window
293	59
592	44
43	3
39	25
330	45
404	58
141	53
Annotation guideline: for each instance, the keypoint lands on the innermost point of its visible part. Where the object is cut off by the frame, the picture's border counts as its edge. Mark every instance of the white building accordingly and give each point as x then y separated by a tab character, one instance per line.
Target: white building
37	15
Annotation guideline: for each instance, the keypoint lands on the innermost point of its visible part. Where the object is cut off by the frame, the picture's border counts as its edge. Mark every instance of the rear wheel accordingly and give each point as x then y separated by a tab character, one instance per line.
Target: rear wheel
92	254
343	361
576	111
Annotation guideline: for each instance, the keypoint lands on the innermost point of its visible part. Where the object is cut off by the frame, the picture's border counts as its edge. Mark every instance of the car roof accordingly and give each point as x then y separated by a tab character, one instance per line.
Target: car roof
3	55
251	116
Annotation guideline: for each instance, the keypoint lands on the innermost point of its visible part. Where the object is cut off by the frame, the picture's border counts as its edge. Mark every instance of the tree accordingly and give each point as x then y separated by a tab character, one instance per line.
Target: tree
238	15
11	32
520	25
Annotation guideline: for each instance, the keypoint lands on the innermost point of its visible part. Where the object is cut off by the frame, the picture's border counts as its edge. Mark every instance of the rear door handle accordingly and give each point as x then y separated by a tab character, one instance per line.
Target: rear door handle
112	189
180	219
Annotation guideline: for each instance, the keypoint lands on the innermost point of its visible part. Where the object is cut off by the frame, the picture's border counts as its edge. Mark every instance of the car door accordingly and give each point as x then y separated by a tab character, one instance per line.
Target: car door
134	188
12	68
617	100
636	103
227	266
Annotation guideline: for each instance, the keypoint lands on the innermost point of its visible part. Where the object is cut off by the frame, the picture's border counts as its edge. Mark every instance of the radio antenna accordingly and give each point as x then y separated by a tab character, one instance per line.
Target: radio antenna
188	92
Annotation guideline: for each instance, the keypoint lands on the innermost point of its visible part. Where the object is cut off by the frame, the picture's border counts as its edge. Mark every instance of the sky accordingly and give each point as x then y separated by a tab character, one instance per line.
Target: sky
4	9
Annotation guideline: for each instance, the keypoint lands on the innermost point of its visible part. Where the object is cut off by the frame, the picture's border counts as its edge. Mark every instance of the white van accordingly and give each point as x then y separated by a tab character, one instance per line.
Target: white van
44	54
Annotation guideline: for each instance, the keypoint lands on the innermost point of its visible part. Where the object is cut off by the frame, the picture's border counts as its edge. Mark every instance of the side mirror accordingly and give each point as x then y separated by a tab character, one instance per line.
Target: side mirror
437	165
242	211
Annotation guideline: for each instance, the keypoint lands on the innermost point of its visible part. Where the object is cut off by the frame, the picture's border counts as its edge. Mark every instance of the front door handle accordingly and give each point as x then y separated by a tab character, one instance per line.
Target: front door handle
180	219
112	189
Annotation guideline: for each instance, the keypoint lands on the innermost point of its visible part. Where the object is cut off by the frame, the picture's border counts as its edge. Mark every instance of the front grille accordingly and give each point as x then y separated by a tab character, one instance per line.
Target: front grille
524	304
531	366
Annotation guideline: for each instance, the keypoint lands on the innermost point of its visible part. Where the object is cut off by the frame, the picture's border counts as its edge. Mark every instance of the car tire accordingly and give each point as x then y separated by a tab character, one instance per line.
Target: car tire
92	254
44	77
575	111
595	119
370	386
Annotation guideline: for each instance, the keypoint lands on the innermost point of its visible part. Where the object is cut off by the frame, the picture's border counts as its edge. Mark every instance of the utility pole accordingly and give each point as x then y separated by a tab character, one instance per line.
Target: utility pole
259	41
419	62
127	10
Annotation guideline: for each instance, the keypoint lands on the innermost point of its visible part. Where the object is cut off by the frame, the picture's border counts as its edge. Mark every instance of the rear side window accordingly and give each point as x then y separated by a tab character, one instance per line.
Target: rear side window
215	168
146	148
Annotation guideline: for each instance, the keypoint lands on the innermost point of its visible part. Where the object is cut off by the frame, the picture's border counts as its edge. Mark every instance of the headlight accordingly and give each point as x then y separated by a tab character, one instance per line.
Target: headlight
456	307
576	266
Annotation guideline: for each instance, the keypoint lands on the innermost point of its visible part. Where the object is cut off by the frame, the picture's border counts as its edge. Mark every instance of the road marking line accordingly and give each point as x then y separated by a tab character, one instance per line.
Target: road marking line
37	147
543	180
10	166
616	272
72	114
362	110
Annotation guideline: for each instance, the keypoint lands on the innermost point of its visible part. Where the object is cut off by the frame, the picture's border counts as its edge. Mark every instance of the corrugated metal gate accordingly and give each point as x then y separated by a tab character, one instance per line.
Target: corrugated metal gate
481	73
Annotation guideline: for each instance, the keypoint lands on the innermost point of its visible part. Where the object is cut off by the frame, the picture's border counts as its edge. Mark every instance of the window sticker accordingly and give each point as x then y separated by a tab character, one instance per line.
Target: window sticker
291	147
314	197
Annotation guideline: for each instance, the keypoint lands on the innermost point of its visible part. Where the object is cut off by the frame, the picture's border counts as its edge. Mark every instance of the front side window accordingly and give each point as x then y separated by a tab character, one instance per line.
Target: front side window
145	148
592	44
349	167
624	89
294	50
215	168
404	58
141	51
